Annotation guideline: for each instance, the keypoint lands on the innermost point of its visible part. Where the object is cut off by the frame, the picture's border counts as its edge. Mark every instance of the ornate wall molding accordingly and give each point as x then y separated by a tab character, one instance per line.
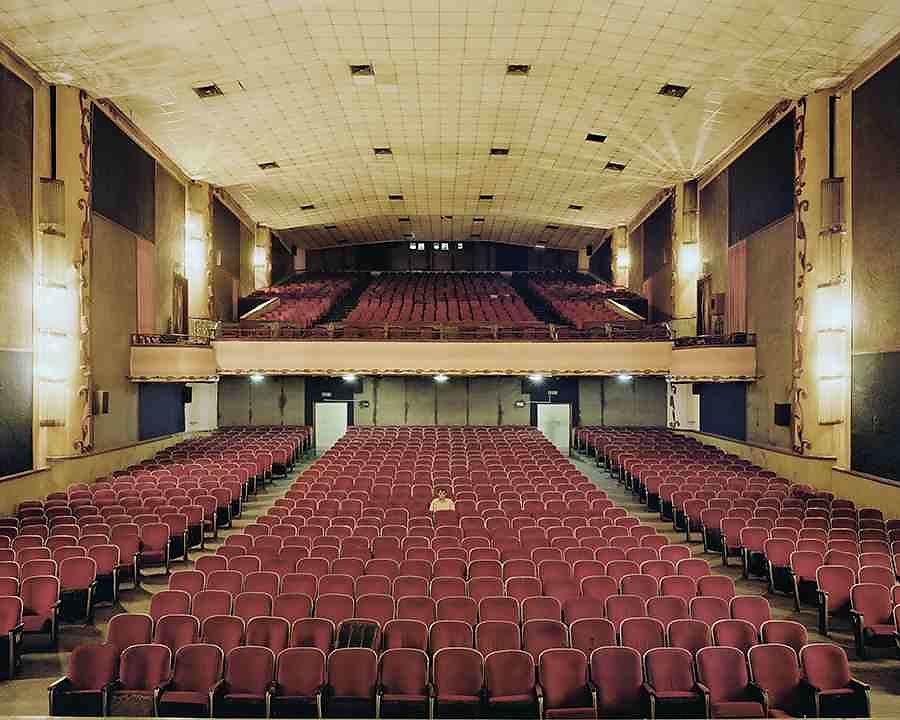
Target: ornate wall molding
85	441
210	256
802	267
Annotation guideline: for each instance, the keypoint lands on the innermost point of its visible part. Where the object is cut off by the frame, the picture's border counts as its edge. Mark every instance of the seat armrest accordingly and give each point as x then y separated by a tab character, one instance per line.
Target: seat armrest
858	684
649	690
59	685
760	695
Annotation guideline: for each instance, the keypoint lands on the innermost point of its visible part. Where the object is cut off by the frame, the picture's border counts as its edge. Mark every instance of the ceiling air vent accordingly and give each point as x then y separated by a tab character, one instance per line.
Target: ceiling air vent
308	207
477	219
268	165
576	207
518	70
552	227
595	137
446	217
331	227
475	236
383	151
403	219
617	167
362	70
395	197
485	197
208	91
675	91
499	151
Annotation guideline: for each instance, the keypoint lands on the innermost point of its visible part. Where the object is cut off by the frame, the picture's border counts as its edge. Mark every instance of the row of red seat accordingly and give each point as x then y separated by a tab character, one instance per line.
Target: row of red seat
768	681
305	302
440	297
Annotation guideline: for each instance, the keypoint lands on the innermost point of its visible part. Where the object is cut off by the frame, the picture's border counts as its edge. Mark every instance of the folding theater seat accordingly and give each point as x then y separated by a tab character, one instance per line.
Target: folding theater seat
457	678
834	583
127	629
617	676
722	676
142	669
495	635
690	635
313	632
732	633
509	683
246	687
671	685
352	680
405	634
224	631
83	690
40	605
540	635
565	690
403	687
775	670
872	616
169	602
176	631
11	628
835	692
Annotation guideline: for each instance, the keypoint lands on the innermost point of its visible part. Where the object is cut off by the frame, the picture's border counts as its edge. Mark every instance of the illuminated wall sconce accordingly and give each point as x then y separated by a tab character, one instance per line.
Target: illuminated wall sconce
193	226
52	207
832	354
196	260
259	257
832	308
831	400
689	258
52	403
623	259
55	355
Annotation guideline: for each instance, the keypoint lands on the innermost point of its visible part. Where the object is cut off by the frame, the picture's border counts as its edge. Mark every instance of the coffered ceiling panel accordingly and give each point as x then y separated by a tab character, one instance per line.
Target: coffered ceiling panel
440	98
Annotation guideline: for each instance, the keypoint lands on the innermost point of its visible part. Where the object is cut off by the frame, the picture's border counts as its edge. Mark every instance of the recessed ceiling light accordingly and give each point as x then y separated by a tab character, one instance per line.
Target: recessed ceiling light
595	137
395	197
308	207
518	70
540	246
382	151
536	378
441	378
361	70
349	377
624	377
477	219
403	219
617	167
257	377
675	91
268	165
552	227
499	151
208	91
485	197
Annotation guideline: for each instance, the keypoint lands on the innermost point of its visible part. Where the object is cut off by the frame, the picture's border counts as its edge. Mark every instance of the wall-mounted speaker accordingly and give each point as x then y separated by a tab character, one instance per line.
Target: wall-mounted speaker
100	402
783	414
187	394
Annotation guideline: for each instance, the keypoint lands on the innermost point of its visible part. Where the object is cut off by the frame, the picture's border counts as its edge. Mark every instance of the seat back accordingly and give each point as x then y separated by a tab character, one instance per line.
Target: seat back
618	676
563	675
776	670
144	666
300	672
197	668
404	671
353	673
724	671
509	673
249	670
93	667
825	666
669	669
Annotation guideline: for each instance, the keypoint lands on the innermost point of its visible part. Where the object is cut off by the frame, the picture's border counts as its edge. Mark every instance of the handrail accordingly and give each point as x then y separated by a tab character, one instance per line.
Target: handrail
743	338
436	332
144	339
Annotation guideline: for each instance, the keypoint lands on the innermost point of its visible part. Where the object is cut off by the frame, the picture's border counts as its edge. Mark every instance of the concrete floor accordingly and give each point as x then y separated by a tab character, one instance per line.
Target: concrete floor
27	694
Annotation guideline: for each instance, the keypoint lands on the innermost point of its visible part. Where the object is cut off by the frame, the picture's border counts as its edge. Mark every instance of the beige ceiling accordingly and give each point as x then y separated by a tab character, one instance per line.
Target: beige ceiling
441	98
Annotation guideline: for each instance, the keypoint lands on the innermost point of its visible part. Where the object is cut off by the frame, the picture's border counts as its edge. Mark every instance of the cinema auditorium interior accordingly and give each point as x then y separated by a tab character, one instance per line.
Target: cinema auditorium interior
426	359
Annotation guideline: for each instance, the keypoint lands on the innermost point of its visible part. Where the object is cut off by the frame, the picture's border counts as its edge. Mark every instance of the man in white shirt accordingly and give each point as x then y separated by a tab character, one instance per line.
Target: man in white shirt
441	502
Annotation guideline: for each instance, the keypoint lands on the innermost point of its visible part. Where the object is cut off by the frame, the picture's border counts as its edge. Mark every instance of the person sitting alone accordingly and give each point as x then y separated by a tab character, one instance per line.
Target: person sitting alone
441	502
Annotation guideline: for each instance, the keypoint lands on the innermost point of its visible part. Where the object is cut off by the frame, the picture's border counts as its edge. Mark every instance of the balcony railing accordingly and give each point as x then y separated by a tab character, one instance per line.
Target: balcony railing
734	339
438	332
169	339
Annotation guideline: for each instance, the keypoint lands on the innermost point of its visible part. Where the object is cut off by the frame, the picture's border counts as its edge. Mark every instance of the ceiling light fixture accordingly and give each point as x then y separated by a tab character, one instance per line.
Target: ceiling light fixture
441	378
675	91
540	246
536	378
624	377
208	91
518	70
349	377
257	377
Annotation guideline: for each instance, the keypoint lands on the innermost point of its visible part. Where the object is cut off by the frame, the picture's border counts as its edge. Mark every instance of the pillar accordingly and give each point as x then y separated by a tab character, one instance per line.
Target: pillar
821	324
584	260
199	252
262	258
621	261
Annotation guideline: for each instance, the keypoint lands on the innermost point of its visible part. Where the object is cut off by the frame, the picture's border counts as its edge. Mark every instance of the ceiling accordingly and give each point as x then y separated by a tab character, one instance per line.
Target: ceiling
441	98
